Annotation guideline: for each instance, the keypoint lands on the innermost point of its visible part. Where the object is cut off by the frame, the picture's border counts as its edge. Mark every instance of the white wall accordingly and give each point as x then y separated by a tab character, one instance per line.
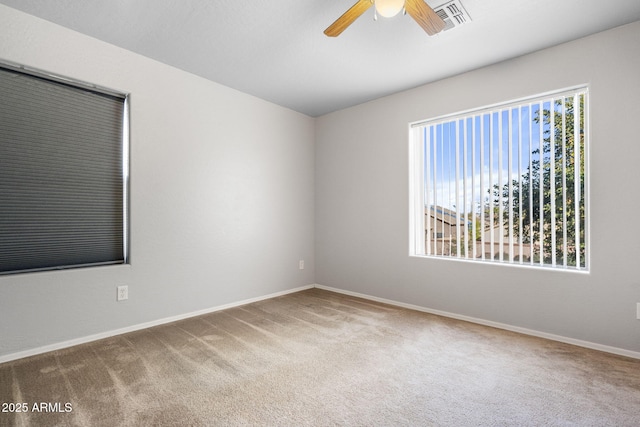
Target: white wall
362	199
221	197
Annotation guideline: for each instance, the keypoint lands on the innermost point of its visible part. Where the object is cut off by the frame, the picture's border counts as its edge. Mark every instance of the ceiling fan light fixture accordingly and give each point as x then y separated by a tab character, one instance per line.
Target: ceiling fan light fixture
389	8
421	12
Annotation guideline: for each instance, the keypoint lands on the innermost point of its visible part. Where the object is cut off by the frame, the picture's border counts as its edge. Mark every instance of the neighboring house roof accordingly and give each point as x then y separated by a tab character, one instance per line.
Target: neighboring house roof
446	215
450	217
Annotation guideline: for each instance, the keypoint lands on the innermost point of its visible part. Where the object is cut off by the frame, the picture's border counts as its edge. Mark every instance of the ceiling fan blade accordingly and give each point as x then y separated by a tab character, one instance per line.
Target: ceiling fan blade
348	17
424	16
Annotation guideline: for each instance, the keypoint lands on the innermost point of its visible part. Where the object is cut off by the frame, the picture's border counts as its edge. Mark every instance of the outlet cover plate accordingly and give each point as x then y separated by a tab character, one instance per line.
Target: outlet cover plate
123	293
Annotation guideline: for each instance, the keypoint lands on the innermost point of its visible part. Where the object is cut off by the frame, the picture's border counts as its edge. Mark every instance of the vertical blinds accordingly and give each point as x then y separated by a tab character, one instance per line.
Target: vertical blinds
62	175
507	183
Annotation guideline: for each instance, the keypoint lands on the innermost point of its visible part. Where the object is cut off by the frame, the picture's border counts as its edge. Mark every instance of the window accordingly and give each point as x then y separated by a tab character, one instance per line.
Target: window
506	183
63	173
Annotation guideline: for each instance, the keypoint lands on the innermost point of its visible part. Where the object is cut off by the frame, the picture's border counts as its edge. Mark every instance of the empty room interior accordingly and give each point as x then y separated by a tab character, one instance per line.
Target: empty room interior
319	212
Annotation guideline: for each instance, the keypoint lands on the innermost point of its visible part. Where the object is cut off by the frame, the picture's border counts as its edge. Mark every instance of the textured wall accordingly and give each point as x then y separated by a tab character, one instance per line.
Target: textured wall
362	198
221	197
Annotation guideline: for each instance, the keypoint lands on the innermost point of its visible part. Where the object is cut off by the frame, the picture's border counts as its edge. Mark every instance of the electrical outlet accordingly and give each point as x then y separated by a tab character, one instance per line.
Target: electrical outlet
301	264
123	293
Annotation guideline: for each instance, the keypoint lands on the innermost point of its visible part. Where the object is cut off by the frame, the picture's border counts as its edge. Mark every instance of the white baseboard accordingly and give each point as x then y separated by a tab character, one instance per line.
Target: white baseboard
525	331
139	326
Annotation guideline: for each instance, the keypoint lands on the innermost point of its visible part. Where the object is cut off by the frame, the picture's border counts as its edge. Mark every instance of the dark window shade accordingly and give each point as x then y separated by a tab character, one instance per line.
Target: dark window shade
61	175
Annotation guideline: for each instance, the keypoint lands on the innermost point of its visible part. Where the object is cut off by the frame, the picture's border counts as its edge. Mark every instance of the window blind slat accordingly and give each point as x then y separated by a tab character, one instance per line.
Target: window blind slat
491	204
565	246
530	213
459	232
541	231
577	159
473	187
482	210
427	150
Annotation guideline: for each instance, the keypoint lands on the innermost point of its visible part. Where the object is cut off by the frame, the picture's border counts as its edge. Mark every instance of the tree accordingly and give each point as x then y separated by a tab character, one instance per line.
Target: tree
546	192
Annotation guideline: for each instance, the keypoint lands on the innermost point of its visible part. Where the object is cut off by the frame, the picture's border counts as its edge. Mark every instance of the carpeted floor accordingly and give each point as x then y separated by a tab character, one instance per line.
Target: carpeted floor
322	359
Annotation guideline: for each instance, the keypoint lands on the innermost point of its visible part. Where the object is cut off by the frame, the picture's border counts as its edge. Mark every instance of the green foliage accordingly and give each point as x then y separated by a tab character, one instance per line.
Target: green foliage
547	183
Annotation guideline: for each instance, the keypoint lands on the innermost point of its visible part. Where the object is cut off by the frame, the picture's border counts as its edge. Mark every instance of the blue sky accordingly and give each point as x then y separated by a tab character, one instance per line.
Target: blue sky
476	138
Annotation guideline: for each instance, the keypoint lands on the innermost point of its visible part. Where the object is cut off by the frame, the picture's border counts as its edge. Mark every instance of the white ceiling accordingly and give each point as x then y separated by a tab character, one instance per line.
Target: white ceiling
276	49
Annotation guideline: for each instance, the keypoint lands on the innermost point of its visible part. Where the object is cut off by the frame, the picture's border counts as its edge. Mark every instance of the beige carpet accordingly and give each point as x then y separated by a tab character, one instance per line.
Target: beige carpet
319	358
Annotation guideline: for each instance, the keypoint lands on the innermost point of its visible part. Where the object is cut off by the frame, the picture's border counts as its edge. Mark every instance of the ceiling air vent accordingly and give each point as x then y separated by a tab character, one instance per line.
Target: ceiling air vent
453	14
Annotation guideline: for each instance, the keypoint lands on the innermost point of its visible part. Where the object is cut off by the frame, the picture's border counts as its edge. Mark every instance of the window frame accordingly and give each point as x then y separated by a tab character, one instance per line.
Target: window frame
123	144
417	173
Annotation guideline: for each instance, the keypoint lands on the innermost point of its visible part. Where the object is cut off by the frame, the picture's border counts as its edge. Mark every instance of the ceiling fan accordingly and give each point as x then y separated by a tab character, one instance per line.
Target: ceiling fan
421	12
